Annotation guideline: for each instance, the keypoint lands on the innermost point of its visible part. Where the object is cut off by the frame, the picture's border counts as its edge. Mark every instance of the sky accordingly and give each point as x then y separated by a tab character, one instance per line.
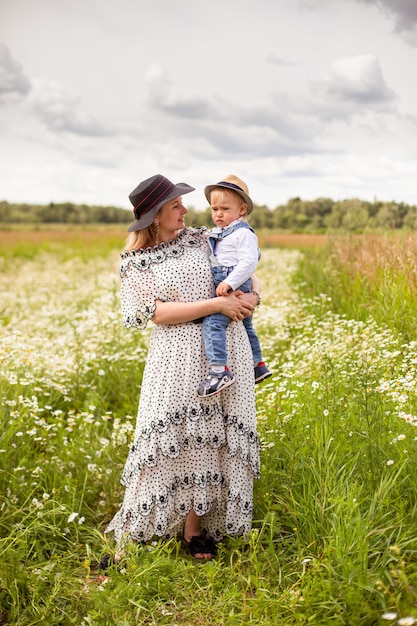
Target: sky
299	98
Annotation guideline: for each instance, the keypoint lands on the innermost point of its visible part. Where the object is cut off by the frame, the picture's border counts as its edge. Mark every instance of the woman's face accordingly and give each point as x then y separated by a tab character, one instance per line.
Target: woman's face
171	218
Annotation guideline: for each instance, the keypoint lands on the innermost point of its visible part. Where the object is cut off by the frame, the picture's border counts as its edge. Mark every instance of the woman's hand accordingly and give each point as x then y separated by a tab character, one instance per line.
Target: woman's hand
236	306
251	297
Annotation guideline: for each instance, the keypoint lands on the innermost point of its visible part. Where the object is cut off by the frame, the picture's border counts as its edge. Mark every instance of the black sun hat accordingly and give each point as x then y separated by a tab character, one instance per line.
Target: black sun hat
148	197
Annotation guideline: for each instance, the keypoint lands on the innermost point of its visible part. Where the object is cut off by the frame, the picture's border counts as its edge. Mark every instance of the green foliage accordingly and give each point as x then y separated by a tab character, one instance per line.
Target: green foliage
324	215
333	540
366	278
321	215
63	213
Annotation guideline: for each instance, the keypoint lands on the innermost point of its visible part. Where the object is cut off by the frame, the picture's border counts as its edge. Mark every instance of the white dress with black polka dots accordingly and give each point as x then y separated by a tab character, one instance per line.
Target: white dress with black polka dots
187	452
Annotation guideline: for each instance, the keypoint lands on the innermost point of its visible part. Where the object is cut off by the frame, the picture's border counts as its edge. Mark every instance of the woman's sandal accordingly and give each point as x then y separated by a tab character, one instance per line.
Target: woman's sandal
108	560
201	547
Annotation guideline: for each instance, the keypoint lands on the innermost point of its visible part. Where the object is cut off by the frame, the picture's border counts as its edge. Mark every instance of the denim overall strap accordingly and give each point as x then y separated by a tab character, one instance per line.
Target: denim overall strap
220	233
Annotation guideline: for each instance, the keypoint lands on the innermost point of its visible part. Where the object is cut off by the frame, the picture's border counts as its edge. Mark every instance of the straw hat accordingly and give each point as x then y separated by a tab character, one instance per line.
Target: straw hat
234	183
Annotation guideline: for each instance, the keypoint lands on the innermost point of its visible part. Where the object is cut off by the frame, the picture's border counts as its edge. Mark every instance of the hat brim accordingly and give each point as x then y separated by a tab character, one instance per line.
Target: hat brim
242	194
146	220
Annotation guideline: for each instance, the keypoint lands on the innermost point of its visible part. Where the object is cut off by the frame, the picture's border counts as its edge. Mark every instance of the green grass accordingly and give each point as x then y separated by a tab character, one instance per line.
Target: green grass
334	536
366	277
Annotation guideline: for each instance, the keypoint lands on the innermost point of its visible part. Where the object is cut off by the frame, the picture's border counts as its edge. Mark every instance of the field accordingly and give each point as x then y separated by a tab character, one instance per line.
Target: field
334	538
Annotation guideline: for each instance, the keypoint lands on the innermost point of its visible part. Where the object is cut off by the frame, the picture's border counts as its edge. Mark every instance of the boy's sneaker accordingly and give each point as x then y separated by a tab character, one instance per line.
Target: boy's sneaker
214	383
261	372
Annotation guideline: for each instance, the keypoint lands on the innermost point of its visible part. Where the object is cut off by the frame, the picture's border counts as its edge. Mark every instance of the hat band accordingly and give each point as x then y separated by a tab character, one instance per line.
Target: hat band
153	197
224	183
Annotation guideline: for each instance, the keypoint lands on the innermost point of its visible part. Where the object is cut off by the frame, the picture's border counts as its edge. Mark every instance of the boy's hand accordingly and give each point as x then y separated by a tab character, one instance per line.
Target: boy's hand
223	289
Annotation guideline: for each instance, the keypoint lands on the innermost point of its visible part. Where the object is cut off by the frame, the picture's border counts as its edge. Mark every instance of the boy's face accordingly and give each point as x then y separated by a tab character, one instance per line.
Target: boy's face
226	207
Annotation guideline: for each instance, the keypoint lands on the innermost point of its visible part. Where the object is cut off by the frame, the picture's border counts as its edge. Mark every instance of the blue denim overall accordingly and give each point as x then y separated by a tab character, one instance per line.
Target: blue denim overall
214	326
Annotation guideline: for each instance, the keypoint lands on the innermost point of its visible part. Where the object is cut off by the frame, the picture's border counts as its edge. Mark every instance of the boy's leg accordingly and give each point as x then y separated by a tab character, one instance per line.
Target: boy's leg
219	376
214	336
261	370
248	322
253	340
215	325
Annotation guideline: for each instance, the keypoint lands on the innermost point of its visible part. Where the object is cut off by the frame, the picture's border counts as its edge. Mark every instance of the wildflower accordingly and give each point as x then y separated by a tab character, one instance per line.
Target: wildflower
390	462
384	386
101	373
406	621
72	517
165	611
411	419
325	412
398	438
81	520
389	616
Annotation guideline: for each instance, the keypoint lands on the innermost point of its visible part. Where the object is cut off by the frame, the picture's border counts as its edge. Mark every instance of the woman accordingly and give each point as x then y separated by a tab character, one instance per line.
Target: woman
191	466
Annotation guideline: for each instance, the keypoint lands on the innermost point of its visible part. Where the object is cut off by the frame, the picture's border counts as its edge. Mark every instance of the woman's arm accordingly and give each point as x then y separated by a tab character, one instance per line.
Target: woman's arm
180	312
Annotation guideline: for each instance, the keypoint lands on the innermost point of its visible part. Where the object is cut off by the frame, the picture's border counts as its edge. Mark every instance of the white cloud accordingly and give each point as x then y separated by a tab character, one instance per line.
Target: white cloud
60	110
403	11
356	81
13	80
297	98
313	4
274	59
164	95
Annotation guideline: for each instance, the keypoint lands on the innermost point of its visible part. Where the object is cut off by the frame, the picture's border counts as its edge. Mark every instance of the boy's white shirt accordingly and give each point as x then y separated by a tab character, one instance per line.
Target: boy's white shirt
240	248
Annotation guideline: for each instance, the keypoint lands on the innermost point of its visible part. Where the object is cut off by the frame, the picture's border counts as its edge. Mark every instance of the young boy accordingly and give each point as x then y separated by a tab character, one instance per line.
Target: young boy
234	258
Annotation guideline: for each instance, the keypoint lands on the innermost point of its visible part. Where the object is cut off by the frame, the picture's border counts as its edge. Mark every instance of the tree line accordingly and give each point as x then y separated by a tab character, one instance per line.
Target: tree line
63	213
324	214
297	215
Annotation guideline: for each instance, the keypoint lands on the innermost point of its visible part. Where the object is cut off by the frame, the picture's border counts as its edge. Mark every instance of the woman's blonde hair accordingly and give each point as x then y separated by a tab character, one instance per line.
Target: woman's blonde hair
141	238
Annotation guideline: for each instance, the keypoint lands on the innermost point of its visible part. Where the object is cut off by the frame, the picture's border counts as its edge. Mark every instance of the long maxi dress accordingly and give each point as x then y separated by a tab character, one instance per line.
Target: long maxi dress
187	452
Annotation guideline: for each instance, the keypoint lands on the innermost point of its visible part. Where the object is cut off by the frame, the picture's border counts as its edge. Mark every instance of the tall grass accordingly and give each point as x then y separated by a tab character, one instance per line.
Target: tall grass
334	536
367	276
